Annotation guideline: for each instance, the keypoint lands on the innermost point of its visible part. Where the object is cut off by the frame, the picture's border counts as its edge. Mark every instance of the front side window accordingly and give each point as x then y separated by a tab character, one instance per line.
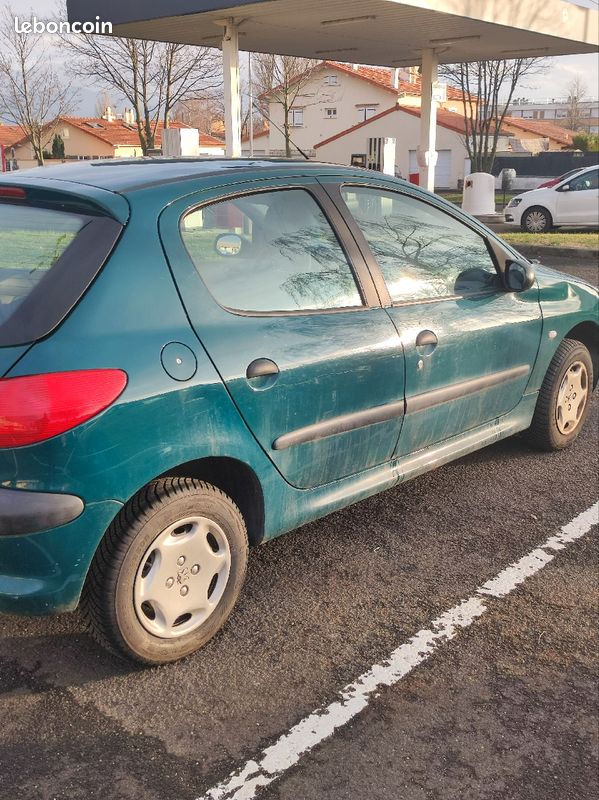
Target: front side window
422	252
270	251
589	180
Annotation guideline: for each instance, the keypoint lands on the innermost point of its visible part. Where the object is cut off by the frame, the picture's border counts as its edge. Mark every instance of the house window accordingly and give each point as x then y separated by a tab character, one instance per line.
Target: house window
330	113
331	80
296	117
366	112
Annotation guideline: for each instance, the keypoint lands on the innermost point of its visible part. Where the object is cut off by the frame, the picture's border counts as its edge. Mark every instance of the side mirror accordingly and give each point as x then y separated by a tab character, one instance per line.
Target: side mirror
228	244
564	188
519	276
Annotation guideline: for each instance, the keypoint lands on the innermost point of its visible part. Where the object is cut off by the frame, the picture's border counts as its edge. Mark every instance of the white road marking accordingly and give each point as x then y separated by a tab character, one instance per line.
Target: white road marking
318	726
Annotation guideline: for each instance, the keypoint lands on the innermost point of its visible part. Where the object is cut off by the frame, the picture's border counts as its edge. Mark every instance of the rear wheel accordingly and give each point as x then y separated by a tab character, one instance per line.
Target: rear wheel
563	399
168	571
537	220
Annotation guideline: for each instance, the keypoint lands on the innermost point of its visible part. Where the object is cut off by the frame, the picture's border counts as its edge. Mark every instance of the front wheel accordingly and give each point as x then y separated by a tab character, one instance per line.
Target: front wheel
537	220
563	401
168	571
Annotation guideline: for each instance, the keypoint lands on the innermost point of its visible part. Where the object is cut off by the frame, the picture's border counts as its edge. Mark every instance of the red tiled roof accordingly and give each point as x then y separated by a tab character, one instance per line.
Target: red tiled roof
543	129
379	76
446	119
10	135
119	133
383	77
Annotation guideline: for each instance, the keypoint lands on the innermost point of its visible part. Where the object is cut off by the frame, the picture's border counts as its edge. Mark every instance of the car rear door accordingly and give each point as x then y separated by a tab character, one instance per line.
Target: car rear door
469	345
281	299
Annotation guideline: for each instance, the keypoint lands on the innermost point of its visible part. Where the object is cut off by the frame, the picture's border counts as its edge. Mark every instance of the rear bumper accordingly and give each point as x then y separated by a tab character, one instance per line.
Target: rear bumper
24	512
44	572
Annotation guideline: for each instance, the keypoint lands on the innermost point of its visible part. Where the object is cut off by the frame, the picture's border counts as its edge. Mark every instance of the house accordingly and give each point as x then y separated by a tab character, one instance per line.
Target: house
557	110
339	96
557	136
260	143
88	138
403	124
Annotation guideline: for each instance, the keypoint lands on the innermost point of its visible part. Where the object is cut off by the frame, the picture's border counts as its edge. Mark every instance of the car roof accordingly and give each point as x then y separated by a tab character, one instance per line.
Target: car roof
123	174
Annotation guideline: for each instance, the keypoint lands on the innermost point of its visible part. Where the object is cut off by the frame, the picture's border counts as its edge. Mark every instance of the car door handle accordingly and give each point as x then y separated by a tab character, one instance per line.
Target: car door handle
426	339
261	368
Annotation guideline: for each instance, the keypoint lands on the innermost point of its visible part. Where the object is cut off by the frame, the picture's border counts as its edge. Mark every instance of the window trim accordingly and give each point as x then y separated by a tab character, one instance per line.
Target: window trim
353	254
334	190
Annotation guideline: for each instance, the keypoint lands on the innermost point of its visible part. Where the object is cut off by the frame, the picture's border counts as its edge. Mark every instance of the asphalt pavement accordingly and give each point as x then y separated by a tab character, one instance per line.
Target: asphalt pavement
506	710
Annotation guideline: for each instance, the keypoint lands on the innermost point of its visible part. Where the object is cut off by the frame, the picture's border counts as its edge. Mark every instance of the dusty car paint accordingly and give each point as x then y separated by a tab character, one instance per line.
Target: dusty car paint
333	366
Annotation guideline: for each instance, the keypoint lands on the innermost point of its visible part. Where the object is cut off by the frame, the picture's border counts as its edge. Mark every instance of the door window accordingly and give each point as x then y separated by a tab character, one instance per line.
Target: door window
423	252
270	251
589	180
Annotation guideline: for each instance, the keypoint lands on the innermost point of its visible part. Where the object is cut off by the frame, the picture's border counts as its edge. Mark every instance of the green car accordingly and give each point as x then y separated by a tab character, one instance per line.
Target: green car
198	356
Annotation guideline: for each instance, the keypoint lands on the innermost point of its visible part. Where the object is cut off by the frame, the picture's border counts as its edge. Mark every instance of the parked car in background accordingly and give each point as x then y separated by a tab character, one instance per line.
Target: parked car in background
574	202
555	181
198	356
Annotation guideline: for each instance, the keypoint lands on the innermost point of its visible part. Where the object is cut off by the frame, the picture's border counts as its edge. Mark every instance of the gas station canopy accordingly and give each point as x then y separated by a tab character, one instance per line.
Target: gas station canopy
379	32
390	33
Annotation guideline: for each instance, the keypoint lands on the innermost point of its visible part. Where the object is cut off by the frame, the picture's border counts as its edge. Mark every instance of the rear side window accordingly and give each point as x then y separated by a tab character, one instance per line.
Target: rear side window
268	252
48	257
31	242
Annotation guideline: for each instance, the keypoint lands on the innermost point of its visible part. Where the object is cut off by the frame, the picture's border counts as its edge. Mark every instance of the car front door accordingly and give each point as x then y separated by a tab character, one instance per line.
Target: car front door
469	345
578	200
281	299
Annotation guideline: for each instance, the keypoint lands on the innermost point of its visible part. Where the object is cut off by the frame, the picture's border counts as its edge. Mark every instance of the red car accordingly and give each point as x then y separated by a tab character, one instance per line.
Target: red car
555	181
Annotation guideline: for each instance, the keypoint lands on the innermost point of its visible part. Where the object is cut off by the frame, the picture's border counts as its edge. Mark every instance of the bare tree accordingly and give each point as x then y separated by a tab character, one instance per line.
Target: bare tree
152	76
482	84
575	119
282	80
32	95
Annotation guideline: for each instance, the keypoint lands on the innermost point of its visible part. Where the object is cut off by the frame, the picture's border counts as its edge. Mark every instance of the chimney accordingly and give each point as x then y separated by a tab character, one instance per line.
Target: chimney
128	116
108	114
355	67
395	78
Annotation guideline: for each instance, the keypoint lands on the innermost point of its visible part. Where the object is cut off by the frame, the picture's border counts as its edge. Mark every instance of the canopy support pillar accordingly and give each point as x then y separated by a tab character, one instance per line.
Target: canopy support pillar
427	154
232	88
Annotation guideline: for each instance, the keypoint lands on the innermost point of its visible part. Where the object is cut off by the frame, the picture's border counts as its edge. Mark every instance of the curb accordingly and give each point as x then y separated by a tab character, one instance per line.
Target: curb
586	253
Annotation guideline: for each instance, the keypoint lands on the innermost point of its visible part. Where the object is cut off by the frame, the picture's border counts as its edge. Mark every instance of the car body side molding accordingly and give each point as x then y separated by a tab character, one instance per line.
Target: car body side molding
419	402
341	424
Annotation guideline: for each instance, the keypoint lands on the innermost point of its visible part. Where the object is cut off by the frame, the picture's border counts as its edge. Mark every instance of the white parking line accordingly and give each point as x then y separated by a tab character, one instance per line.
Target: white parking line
315	728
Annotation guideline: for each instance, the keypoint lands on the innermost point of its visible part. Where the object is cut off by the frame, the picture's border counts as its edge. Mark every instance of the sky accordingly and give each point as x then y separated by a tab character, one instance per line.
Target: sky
553	83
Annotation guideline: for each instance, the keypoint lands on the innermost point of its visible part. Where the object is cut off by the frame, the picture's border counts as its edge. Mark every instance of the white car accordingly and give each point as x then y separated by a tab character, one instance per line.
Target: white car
574	202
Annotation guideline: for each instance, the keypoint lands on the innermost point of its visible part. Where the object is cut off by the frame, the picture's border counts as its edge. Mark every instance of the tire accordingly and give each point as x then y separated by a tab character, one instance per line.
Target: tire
168	571
563	401
536	220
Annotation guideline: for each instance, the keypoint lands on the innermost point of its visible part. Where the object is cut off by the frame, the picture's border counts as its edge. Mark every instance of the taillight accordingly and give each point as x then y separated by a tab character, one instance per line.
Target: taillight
37	407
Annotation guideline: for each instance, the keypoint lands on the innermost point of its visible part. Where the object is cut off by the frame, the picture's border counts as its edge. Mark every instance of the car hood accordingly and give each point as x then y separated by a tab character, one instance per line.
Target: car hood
546	277
536	194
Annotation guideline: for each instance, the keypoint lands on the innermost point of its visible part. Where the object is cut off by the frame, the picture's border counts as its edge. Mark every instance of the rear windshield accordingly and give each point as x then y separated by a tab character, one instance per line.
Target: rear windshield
32	240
